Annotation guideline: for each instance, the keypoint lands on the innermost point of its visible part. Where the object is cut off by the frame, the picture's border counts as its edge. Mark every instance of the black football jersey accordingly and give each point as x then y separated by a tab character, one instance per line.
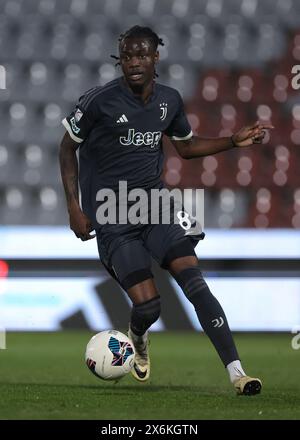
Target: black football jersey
121	137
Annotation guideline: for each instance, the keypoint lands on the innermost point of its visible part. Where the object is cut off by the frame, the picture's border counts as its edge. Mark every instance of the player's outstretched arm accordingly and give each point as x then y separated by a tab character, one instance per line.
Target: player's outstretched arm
198	147
79	222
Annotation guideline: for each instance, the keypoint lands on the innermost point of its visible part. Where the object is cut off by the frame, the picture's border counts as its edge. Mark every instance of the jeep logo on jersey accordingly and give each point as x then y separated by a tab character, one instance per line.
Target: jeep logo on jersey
151	138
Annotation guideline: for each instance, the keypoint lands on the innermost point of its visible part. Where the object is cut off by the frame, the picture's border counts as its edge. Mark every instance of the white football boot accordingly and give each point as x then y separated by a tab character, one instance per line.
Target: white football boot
141	367
247	385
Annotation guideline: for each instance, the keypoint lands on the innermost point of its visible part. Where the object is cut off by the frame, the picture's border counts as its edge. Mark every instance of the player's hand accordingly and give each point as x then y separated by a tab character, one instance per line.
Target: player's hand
80	224
252	134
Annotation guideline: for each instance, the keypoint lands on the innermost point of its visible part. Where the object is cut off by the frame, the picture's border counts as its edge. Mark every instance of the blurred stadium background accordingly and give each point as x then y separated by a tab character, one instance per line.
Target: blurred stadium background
231	60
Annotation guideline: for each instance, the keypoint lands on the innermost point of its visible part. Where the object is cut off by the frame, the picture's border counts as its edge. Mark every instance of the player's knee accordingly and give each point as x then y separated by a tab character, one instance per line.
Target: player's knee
192	283
180	264
148	312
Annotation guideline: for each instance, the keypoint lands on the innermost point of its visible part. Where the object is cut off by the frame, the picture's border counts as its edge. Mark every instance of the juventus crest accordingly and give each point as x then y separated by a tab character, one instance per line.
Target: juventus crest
164	110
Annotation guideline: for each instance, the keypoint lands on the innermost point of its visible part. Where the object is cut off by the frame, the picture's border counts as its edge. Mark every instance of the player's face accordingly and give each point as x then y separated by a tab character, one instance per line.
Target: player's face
138	59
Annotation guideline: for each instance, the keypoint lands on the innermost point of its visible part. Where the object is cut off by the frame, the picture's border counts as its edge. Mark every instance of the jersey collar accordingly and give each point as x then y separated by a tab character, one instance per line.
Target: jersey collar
126	90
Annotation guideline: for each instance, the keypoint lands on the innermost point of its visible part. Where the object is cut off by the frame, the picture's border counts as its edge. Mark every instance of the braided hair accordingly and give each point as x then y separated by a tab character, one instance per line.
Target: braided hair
140	32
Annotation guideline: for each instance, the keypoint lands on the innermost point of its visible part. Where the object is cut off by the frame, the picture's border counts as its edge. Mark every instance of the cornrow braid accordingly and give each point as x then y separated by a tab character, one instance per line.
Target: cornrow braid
140	32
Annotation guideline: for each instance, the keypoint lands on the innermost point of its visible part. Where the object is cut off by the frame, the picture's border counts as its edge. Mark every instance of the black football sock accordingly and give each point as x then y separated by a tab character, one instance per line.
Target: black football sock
209	311
144	315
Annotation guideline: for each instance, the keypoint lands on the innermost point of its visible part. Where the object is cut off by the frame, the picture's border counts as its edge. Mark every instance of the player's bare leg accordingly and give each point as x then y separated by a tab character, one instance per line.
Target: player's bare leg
145	311
212	318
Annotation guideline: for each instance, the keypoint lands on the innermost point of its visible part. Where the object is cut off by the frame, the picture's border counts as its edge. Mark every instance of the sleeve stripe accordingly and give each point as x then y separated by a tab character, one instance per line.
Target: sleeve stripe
176	138
98	90
65	123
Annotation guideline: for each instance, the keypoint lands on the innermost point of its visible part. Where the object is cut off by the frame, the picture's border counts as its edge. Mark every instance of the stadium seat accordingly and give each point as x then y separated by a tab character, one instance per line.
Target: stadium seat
231	61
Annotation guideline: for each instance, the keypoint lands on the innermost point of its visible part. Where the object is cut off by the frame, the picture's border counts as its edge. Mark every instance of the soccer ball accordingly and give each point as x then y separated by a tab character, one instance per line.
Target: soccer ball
110	355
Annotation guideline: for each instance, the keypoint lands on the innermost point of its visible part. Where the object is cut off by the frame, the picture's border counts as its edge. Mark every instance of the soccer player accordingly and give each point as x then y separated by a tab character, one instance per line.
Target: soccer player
119	129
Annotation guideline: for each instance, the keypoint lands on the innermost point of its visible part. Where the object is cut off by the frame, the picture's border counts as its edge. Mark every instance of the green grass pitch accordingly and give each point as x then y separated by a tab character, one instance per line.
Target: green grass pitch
43	376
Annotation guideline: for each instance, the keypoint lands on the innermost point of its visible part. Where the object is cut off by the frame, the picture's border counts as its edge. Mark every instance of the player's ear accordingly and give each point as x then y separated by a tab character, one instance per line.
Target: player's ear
156	57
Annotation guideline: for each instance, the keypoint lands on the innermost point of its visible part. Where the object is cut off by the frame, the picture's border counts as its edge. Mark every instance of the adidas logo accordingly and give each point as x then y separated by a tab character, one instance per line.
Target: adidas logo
122	119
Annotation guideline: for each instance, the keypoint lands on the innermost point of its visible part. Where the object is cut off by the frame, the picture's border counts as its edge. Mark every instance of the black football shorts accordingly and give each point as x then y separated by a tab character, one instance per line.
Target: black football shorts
126	250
